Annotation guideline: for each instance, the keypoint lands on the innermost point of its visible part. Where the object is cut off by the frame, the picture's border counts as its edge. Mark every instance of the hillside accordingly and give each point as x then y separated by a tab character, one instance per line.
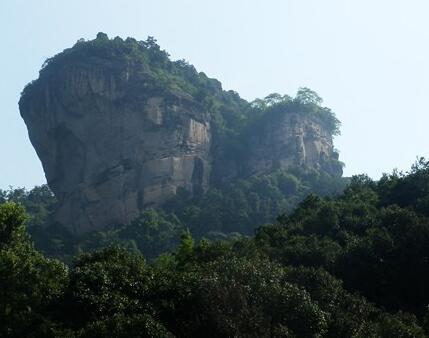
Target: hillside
120	128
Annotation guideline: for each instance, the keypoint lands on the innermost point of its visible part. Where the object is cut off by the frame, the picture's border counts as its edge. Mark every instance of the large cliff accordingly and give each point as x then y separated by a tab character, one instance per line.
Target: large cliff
119	127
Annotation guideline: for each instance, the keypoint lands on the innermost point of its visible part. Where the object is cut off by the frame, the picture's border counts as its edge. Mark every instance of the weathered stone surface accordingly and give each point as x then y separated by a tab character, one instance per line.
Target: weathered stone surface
113	139
107	154
290	140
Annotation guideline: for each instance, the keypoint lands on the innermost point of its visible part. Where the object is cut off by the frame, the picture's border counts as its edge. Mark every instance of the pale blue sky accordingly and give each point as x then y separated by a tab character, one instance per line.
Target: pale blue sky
368	59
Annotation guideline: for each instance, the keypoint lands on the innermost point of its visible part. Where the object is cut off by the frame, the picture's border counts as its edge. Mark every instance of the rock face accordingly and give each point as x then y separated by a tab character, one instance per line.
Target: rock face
291	140
107	155
114	138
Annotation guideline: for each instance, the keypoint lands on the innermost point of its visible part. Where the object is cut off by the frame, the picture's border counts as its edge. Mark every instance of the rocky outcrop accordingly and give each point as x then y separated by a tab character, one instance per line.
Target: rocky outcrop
291	140
109	148
117	133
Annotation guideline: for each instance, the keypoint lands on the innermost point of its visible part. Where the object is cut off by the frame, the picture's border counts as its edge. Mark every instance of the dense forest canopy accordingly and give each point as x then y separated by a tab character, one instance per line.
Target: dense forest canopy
350	266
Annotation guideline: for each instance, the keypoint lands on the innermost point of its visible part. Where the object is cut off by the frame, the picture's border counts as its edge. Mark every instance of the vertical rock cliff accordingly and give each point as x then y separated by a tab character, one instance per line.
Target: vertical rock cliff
111	141
119	127
291	140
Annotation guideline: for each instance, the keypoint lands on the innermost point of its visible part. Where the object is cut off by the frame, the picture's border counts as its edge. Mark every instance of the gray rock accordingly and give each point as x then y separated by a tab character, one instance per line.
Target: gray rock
107	155
291	140
113	140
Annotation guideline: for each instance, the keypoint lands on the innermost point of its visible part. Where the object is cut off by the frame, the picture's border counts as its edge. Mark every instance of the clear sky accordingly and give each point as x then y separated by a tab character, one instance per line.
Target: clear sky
368	59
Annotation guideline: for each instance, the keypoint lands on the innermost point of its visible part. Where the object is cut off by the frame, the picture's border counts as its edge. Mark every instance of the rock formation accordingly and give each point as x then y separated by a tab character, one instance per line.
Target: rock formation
290	140
114	136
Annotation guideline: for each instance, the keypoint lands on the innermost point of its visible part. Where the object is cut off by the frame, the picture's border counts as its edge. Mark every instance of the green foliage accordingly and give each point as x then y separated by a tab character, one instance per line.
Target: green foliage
238	297
241	206
277	284
308	96
156	74
227	213
12	224
306	103
106	283
186	246
353	264
30	284
152	233
39	202
121	326
374	237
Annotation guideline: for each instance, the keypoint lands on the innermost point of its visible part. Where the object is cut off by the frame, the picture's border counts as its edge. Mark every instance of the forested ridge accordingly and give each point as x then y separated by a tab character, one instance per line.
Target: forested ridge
353	265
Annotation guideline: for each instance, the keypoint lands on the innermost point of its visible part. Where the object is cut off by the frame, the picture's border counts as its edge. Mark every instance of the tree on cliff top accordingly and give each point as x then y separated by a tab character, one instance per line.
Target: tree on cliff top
307	96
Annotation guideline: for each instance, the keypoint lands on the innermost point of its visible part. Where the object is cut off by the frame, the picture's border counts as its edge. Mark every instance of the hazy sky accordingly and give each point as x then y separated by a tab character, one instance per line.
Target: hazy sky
368	59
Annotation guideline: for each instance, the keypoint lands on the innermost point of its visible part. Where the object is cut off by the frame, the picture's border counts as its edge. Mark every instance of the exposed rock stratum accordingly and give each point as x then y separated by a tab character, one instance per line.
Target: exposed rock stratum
114	136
